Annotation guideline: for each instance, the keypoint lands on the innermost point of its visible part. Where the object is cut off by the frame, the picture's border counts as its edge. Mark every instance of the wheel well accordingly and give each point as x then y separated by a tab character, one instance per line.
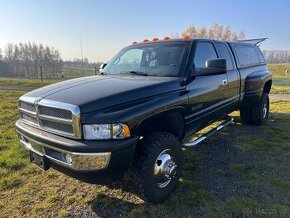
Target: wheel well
171	122
267	86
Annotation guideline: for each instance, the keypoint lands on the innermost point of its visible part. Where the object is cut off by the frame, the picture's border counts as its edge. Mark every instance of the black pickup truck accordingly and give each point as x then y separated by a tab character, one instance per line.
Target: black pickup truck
144	108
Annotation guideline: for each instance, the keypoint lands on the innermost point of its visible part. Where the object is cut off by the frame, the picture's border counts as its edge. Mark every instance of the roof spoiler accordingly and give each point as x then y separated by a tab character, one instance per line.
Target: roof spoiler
254	41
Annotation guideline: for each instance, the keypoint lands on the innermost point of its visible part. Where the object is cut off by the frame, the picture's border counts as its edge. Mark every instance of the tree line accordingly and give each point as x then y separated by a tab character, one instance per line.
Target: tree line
216	31
30	60
276	56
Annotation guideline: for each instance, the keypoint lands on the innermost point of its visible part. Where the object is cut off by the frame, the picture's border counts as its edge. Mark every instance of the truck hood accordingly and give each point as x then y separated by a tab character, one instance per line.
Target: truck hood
98	92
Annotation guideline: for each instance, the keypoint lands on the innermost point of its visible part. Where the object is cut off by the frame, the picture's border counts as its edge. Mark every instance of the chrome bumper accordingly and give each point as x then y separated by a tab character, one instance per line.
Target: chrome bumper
73	160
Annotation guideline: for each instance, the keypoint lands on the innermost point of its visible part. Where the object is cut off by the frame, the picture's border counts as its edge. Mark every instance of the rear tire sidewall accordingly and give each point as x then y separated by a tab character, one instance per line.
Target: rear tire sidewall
265	102
245	115
258	117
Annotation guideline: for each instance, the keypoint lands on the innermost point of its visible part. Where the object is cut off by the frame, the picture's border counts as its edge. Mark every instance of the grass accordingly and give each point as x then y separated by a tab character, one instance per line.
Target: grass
25	82
26	190
253	178
281	81
219	172
276	140
238	167
281	183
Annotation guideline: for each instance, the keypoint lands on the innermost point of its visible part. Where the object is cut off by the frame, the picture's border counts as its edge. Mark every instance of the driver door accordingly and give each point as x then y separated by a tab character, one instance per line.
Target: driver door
207	94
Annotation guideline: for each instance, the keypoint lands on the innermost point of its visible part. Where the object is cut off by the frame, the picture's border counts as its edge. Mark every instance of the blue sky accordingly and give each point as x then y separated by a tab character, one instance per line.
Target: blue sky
106	26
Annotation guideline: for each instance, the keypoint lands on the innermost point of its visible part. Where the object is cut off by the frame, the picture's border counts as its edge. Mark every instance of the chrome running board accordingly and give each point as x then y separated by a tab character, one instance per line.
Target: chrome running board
226	122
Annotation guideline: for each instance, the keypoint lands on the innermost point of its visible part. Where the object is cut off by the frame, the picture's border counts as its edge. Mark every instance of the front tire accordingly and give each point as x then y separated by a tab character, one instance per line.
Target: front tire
158	167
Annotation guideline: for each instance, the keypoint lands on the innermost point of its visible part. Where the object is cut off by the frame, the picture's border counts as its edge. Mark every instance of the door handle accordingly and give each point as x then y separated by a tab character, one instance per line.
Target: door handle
225	81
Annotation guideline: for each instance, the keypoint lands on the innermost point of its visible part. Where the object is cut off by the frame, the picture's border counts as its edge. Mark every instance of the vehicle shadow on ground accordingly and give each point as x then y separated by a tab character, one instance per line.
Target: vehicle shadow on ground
216	170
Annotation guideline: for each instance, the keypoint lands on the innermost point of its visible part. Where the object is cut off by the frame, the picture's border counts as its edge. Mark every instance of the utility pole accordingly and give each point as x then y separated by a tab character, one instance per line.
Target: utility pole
81	45
82	55
41	74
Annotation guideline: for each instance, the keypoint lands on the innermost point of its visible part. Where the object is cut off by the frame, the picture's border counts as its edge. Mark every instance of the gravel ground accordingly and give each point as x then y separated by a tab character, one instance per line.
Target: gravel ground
221	153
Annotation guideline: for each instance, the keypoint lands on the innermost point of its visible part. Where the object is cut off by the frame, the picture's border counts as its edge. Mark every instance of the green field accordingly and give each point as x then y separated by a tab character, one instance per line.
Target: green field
25	82
241	171
281	82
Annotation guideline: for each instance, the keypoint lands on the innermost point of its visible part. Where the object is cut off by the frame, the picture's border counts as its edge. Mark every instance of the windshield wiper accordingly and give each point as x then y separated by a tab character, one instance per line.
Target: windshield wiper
135	73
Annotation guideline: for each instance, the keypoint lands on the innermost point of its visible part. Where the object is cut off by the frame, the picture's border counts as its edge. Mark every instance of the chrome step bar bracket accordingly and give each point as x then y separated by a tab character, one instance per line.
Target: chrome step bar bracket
226	122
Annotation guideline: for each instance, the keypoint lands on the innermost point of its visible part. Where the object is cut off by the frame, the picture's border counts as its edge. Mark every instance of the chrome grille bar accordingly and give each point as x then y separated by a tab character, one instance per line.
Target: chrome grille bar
27	111
54	119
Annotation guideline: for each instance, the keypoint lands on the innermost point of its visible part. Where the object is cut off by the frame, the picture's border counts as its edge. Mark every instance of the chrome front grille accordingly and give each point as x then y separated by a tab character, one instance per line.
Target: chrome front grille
28	118
62	127
52	116
27	106
55	112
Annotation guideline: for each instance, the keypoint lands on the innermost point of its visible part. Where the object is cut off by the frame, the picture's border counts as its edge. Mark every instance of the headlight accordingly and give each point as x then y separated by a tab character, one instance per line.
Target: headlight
106	131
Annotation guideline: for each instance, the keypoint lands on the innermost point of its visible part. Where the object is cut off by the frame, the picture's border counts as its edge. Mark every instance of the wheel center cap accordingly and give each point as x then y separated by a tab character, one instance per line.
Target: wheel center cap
170	170
165	168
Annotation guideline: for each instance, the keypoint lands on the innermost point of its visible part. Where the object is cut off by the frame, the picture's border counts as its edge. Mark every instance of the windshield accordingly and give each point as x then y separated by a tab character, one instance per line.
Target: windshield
156	59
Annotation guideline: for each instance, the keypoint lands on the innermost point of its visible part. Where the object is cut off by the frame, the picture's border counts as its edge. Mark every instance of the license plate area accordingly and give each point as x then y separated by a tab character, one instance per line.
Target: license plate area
38	160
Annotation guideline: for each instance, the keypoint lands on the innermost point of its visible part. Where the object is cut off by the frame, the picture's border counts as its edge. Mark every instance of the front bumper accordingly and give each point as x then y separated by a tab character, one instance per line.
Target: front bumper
78	155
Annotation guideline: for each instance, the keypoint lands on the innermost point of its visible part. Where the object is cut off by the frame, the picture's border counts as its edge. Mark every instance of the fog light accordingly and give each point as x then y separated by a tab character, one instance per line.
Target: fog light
68	158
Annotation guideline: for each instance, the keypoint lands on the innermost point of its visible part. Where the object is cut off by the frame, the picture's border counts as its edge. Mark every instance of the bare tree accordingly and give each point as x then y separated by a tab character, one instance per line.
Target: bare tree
216	31
27	58
276	56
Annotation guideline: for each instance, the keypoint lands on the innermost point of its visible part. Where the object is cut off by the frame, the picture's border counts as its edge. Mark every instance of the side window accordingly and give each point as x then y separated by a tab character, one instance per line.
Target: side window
253	54
224	53
260	54
242	55
247	55
204	51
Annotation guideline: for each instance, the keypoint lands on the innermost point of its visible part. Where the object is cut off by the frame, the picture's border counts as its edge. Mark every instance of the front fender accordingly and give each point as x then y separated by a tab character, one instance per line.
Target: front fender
134	113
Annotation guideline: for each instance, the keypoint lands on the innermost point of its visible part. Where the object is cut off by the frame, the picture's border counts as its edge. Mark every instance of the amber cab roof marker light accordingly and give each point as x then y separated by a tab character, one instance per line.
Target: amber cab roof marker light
186	36
134	43
166	38
145	40
155	39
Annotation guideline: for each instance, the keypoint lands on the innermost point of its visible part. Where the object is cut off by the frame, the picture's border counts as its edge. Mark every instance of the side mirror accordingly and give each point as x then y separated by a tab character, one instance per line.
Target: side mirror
212	67
102	66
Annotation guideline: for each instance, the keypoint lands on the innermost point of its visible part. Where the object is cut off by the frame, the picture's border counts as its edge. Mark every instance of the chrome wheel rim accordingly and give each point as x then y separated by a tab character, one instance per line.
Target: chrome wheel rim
265	109
165	168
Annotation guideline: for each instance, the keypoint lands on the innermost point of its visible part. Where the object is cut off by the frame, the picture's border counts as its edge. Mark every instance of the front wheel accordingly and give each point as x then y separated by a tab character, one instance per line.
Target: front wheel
158	168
